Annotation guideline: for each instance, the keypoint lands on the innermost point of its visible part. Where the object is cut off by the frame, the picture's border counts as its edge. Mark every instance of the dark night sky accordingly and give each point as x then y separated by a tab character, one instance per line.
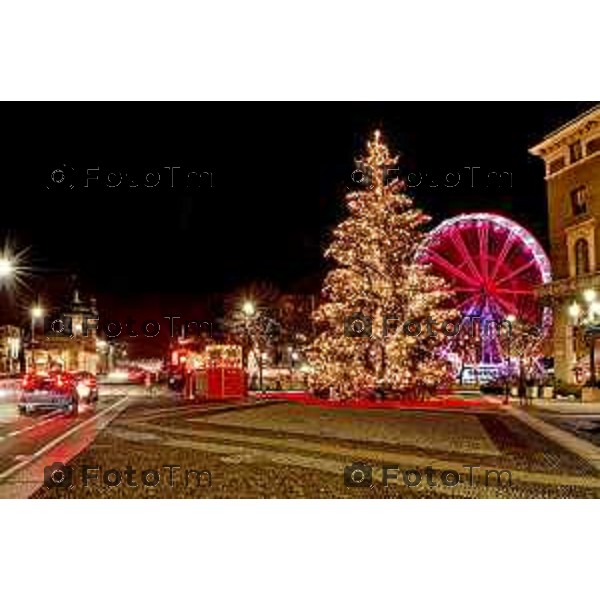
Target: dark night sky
279	175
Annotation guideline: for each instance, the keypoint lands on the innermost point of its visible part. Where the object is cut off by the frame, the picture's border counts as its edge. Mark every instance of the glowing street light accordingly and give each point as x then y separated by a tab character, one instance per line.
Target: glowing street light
594	309
590	323
249	308
574	310
6	268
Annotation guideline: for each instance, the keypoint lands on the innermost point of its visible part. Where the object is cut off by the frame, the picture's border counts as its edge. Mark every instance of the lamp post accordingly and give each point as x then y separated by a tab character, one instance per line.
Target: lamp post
511	319
249	310
36	313
591	323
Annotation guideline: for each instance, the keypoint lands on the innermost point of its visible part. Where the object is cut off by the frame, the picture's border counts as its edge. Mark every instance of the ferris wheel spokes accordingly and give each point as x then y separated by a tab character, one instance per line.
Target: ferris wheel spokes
493	265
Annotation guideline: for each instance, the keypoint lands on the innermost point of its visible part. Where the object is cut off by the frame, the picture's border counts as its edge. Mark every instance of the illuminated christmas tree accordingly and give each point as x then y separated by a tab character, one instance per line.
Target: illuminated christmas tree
378	297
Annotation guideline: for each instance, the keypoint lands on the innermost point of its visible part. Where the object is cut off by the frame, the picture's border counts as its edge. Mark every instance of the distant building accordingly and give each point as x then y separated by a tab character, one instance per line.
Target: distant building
75	347
10	349
572	158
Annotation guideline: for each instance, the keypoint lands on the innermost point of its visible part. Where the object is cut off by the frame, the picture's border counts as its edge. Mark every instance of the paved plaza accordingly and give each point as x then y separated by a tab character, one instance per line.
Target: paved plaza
283	449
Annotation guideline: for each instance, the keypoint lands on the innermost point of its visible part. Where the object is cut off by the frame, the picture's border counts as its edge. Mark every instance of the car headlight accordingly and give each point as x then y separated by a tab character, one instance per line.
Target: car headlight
83	390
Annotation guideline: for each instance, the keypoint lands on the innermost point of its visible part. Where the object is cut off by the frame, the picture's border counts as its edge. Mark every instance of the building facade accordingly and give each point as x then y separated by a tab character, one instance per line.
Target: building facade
572	159
75	348
10	350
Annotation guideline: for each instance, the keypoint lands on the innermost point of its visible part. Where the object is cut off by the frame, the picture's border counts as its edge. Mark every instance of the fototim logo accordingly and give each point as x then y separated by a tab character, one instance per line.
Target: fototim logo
58	475
359	325
57	326
360	475
61	476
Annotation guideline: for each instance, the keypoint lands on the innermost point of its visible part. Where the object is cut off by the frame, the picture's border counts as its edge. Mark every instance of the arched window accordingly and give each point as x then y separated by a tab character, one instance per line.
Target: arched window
582	257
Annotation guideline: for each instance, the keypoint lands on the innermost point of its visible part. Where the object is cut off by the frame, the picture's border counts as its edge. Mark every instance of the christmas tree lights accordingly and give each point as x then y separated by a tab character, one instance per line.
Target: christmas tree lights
376	280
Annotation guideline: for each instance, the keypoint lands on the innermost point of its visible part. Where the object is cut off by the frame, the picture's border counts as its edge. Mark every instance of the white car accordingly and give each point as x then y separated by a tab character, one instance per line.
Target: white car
49	392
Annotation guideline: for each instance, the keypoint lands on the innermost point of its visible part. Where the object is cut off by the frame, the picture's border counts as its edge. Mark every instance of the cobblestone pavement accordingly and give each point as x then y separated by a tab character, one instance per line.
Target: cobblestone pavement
279	449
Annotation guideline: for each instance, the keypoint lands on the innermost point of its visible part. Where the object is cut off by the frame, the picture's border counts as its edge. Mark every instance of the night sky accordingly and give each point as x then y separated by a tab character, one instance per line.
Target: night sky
279	173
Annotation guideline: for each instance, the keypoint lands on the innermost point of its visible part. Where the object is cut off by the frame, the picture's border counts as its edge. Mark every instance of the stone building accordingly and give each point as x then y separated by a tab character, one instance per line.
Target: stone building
74	348
572	158
10	349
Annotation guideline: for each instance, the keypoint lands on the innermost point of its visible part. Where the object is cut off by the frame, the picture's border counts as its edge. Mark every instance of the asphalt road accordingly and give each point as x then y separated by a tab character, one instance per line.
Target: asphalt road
28	442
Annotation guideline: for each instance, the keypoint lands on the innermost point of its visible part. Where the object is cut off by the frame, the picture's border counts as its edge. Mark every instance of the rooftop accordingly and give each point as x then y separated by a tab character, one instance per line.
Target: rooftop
583	122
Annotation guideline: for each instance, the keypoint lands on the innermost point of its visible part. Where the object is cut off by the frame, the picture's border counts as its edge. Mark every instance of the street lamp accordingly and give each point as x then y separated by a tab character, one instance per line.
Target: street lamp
591	322
6	268
511	319
36	313
249	308
589	296
574	310
594	310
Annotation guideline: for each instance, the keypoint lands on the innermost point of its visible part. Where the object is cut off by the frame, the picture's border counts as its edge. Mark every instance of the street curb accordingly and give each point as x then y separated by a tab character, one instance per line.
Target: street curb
582	448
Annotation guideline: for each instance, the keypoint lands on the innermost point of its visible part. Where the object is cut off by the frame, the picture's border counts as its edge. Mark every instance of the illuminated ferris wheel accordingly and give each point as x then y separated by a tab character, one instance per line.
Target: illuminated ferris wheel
493	265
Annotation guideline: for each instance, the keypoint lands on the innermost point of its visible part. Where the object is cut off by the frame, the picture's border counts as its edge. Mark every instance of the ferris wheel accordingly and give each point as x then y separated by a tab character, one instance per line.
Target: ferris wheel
494	266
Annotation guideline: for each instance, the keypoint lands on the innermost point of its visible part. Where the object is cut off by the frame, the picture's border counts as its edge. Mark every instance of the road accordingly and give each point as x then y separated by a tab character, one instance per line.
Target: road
30	442
137	445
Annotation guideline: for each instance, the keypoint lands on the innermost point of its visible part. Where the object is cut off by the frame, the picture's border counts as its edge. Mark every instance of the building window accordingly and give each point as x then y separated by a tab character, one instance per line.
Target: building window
582	257
593	146
579	201
556	165
575	151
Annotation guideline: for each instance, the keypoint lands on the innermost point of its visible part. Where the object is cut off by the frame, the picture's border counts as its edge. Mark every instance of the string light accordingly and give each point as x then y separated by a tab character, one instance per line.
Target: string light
376	275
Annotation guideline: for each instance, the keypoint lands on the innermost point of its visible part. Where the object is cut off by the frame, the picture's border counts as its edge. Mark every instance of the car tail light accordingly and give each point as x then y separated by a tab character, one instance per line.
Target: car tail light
62	380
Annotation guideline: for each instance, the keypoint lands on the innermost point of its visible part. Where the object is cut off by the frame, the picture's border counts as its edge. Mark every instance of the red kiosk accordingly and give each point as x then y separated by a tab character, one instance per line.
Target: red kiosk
216	372
224	369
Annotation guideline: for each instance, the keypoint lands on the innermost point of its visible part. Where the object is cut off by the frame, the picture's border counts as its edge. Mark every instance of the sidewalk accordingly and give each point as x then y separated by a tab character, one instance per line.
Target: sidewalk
578	446
568	407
